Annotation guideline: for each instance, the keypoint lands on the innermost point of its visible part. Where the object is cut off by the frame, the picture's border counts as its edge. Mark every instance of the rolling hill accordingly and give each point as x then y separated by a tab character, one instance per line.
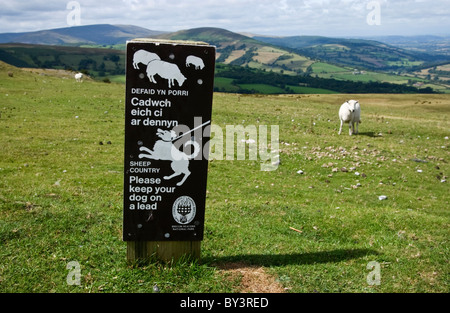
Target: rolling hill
291	55
97	62
355	60
435	45
318	57
101	34
357	53
236	49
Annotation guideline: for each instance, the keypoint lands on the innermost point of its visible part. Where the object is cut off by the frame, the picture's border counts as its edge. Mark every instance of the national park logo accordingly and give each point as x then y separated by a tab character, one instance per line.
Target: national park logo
183	210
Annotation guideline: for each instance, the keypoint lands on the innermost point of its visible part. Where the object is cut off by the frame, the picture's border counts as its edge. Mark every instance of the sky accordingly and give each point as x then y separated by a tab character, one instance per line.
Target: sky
340	18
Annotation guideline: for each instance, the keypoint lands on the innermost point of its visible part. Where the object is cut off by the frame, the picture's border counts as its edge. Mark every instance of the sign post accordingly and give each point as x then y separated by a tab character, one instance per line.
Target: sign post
169	88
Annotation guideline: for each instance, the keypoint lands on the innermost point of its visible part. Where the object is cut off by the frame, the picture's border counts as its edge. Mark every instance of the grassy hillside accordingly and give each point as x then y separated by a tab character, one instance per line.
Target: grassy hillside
435	77
430	44
327	79
373	61
439	75
97	62
357	53
61	167
236	49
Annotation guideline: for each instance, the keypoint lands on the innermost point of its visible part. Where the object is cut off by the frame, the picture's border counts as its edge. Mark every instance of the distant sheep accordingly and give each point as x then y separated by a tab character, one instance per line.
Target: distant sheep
196	61
350	112
166	70
144	57
79	77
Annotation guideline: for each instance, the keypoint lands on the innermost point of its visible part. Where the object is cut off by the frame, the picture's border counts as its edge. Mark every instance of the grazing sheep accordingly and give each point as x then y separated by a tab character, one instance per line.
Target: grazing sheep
196	61
79	77
350	112
144	57
166	70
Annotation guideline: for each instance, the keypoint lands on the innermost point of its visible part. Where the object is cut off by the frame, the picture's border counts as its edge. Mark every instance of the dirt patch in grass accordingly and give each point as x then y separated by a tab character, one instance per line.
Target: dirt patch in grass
253	279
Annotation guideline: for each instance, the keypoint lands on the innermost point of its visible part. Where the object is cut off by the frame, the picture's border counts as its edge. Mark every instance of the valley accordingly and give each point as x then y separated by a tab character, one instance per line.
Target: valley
304	61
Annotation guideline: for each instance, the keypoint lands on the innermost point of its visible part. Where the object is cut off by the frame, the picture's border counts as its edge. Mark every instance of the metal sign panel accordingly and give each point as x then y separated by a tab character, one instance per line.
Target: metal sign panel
169	88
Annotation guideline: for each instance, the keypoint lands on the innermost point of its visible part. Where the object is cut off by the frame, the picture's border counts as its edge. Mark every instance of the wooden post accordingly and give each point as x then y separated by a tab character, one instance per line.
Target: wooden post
166	251
169	87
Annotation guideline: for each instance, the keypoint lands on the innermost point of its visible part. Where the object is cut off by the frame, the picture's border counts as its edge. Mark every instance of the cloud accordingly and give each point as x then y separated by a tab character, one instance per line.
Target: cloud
272	17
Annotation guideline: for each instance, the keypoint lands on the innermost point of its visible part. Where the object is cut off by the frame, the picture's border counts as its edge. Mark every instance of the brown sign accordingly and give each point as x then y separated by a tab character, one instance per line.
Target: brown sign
169	88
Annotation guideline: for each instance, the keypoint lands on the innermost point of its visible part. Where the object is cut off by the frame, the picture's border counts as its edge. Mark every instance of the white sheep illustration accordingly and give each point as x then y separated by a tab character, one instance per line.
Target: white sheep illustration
144	57
165	70
196	61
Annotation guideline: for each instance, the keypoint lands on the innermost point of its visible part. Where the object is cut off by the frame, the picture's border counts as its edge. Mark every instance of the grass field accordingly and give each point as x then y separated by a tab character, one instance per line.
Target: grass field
324	70
61	167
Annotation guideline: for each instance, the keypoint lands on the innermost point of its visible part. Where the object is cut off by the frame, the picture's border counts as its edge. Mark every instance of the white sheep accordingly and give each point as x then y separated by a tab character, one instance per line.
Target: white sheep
350	112
166	70
78	77
144	57
196	61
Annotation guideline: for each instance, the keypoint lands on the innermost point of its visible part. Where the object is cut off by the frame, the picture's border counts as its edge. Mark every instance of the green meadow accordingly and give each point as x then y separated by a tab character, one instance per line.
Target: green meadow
314	224
325	70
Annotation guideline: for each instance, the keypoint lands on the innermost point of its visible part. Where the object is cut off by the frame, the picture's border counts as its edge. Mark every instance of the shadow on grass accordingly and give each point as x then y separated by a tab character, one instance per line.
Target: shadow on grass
368	134
332	256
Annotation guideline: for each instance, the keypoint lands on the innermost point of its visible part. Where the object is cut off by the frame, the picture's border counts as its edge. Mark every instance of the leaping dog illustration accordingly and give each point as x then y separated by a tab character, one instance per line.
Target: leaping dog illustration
164	149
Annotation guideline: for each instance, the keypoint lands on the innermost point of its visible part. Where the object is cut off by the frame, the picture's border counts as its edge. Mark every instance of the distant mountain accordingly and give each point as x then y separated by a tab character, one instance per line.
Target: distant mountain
101	34
291	55
232	48
215	36
357	53
295	54
437	45
355	60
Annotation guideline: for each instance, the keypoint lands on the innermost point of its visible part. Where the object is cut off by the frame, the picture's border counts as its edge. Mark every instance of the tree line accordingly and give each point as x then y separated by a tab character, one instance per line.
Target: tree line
246	75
